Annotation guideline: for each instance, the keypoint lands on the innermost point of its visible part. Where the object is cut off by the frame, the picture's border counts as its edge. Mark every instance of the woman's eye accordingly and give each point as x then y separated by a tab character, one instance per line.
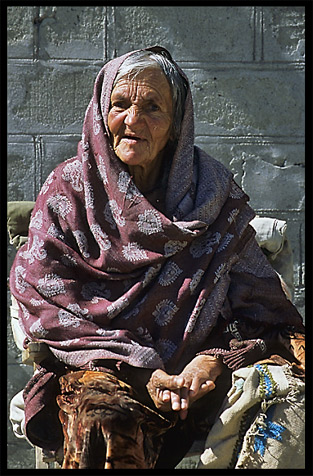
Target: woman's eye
154	107
119	105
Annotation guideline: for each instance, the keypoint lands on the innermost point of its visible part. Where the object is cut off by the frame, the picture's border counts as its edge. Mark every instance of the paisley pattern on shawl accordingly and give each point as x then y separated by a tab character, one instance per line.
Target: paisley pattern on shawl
105	275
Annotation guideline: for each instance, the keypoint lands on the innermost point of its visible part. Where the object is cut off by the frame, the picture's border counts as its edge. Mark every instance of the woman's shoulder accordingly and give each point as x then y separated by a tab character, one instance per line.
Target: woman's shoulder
208	166
62	174
204	157
68	164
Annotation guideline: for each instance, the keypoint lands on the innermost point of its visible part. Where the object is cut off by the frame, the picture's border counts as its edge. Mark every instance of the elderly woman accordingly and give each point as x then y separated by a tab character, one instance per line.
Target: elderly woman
141	262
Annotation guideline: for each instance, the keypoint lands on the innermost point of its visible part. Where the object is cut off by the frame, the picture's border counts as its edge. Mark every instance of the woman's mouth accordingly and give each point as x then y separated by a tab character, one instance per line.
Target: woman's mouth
131	139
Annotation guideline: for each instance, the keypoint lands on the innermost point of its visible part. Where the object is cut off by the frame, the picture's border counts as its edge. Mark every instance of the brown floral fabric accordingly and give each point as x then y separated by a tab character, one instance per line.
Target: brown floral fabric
104	426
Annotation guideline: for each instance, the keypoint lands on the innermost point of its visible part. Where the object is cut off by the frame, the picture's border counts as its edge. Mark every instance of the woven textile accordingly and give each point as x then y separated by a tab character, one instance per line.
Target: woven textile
261	423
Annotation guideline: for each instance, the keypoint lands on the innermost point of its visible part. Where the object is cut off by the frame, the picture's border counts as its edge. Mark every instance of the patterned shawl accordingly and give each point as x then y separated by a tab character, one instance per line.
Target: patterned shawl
106	275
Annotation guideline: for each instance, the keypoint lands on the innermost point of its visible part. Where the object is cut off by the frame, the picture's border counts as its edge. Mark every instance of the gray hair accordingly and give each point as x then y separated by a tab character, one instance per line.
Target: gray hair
143	59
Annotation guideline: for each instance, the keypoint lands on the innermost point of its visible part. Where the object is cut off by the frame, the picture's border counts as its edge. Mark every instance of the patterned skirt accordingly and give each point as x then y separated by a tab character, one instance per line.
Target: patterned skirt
105	426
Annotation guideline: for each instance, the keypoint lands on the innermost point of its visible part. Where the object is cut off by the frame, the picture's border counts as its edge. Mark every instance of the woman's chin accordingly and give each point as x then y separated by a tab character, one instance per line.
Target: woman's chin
132	159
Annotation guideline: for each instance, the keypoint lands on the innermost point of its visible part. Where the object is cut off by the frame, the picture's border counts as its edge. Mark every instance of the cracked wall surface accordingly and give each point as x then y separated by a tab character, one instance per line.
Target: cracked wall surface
246	68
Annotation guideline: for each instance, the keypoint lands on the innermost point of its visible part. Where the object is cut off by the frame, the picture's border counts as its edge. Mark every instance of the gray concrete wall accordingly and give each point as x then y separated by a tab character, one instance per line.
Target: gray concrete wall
246	67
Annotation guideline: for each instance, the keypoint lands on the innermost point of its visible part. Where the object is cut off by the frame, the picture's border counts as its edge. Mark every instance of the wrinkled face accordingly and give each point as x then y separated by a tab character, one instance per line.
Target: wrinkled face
140	117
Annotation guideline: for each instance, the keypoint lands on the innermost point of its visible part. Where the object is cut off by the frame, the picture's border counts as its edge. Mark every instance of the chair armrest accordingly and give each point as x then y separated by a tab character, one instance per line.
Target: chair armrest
35	352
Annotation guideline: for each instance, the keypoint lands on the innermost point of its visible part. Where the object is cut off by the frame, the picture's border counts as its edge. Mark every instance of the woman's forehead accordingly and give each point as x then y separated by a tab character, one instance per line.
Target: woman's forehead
150	81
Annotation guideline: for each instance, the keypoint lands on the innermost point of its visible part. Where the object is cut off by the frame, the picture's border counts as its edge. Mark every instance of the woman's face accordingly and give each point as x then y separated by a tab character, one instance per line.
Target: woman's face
140	117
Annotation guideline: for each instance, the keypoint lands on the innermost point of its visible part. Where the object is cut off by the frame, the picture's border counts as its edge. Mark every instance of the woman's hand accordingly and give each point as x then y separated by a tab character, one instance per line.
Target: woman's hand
178	392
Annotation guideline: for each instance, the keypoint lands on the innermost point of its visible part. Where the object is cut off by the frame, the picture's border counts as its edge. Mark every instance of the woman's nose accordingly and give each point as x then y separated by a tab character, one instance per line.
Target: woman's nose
133	116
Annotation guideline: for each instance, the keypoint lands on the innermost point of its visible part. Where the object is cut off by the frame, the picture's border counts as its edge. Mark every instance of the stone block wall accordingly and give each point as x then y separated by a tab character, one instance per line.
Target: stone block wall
246	68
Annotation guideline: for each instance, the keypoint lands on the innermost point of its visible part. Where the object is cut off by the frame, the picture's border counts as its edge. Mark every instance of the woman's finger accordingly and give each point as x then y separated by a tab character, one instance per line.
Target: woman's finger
195	386
184	398
175	400
178	381
183	414
165	395
210	384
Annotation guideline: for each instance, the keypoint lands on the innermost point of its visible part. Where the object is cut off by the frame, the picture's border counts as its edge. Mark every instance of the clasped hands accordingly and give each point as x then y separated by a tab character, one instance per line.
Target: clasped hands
178	392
